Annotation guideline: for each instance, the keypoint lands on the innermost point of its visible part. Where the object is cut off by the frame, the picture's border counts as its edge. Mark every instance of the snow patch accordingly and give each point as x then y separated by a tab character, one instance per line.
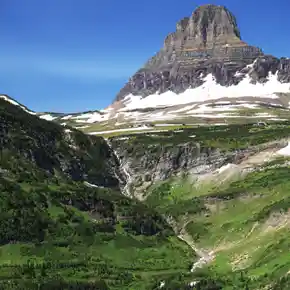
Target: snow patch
98	118
83	116
144	129
239	74
16	104
92	185
250	106
285	151
47	117
277	119
122	138
167	125
83	127
264	115
66	117
211	90
89	117
193	283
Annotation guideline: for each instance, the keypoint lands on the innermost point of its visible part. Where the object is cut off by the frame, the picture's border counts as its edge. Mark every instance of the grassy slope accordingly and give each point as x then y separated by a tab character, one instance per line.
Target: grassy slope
246	224
57	233
68	232
244	221
223	137
244	229
249	251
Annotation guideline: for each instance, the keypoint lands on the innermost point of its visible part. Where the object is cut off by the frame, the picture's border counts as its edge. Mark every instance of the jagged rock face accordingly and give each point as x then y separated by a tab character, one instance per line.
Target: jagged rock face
208	42
161	162
209	26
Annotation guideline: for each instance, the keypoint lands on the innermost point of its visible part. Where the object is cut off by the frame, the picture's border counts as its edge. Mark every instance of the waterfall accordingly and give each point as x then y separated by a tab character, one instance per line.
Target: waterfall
124	171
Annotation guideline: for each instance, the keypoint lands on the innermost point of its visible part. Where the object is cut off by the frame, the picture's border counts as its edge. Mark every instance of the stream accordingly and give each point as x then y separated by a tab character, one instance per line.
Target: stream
204	257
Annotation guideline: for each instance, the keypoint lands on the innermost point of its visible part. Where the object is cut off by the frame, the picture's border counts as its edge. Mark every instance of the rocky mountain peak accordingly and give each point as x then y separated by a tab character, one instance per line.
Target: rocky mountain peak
206	47
211	32
208	26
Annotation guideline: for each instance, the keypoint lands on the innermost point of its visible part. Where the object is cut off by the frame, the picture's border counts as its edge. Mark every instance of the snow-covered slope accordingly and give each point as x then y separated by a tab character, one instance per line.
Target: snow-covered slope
13	102
208	103
210	90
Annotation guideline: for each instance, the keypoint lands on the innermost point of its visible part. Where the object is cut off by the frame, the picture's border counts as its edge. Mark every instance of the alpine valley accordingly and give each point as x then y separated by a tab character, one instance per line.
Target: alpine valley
181	183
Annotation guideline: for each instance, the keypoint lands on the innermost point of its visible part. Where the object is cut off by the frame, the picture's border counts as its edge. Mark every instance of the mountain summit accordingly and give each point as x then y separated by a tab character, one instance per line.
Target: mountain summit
208	27
206	47
211	32
204	73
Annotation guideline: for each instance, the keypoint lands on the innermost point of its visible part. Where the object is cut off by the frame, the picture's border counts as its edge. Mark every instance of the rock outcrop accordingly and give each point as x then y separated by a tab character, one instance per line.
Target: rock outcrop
159	162
207	42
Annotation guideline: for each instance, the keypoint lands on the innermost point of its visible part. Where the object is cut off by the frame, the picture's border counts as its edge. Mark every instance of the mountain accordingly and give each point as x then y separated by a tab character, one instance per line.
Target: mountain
176	206
225	191
206	207
56	150
64	222
199	208
204	73
205	51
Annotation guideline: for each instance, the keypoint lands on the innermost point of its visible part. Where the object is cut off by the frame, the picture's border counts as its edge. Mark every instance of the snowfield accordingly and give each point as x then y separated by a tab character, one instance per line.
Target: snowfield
201	102
208	101
210	90
208	110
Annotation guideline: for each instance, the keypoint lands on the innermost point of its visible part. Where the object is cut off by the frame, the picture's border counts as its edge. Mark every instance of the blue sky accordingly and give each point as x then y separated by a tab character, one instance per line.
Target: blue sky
75	55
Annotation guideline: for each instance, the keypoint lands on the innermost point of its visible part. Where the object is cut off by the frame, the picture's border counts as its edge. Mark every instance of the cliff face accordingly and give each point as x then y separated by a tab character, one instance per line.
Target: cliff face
149	160
161	163
207	42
